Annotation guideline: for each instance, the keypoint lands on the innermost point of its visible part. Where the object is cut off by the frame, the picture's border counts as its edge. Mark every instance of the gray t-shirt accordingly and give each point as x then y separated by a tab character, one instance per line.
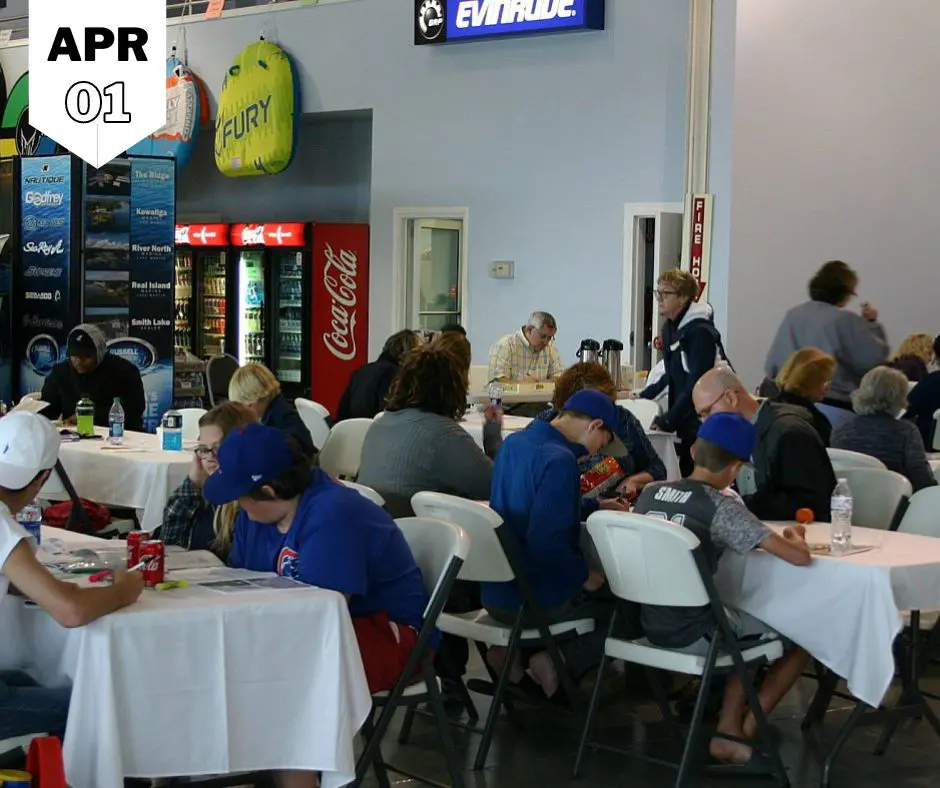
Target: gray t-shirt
719	521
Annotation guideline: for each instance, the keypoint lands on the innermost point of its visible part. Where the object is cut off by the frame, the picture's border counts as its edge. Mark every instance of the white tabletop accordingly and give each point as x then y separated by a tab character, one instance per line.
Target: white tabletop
193	682
663	443
844	610
139	475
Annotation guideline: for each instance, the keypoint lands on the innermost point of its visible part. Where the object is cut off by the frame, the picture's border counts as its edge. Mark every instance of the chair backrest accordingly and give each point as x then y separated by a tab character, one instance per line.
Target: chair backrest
936	431
191	418
478	378
647	560
365	491
645	410
32	395
313	415
876	495
342	452
487	562
219	371
53	487
435	544
921	515
842	459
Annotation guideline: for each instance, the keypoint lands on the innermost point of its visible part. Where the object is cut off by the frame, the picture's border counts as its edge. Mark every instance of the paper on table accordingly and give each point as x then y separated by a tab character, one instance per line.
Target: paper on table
195	559
824	549
29	405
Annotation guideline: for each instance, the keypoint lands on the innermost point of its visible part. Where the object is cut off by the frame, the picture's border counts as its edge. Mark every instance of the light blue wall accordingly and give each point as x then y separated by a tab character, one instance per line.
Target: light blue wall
544	140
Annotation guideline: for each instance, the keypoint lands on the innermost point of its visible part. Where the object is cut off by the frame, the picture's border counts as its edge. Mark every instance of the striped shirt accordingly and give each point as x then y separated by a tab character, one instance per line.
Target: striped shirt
512	358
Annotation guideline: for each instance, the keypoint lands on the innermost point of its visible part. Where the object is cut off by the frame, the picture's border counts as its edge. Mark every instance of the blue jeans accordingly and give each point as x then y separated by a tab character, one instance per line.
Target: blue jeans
27	708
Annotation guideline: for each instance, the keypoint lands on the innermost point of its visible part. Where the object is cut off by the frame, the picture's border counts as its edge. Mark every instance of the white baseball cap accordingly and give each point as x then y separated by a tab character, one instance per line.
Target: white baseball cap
28	444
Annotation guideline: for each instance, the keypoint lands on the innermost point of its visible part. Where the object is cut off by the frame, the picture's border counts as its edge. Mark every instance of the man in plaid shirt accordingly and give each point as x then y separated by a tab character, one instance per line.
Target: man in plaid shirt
528	355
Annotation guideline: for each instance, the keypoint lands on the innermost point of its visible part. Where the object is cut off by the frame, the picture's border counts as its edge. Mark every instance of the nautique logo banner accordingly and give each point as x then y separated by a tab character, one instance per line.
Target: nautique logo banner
97	73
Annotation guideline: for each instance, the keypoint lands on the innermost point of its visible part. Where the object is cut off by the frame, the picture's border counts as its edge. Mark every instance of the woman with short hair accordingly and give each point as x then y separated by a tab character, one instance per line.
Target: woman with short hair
877	431
913	356
254	385
804	381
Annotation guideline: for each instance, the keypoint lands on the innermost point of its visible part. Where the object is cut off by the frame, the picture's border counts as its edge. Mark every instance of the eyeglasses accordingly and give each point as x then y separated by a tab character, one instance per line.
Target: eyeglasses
543	338
661	294
204	452
706	412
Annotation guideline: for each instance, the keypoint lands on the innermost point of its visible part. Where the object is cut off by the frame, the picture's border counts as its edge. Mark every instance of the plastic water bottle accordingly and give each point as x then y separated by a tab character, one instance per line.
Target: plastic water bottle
840	531
172	431
30	518
496	394
116	423
85	417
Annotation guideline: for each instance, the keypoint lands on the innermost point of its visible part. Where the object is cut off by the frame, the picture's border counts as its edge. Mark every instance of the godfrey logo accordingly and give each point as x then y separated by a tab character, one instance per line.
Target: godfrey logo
44	199
341	288
50	273
44	247
440	21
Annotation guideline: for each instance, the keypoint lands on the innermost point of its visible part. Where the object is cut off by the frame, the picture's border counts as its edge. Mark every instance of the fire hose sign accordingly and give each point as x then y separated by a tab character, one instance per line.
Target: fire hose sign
97	73
698	234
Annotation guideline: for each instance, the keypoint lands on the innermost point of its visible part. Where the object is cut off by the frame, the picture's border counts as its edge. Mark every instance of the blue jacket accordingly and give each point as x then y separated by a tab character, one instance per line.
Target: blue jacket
537	491
283	416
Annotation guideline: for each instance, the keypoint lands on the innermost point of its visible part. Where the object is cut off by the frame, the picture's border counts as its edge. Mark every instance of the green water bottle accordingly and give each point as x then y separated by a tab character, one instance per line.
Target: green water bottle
85	417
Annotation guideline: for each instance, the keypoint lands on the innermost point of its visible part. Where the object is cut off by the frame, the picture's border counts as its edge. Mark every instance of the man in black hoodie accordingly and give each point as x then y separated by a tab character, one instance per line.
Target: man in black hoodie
791	465
368	386
91	371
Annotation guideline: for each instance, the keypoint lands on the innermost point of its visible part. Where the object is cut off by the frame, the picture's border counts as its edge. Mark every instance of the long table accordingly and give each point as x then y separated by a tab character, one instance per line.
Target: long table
138	475
196	682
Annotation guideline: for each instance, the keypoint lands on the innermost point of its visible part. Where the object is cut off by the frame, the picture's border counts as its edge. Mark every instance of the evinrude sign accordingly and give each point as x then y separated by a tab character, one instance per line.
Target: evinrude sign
450	21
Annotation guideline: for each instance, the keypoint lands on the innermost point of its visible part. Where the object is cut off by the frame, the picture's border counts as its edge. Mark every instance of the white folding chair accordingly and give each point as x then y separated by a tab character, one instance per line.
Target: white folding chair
654	562
877	496
191	418
365	491
314	416
923	513
645	410
492	560
842	459
32	395
439	549
341	454
936	431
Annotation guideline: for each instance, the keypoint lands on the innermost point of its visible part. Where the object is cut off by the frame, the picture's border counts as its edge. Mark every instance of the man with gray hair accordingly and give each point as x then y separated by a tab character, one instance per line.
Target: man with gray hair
791	465
528	355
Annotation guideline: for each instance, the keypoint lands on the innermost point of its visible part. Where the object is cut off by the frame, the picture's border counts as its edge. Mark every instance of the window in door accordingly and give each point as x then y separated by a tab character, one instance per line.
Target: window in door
435	270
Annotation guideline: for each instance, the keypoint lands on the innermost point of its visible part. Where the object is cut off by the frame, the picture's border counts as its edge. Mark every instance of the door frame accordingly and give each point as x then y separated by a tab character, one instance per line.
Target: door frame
632	211
400	261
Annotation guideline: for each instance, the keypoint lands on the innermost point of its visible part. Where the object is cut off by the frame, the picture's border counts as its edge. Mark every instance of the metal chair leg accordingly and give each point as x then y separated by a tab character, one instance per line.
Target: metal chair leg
443	726
498	692
589	719
817	708
695	727
405	733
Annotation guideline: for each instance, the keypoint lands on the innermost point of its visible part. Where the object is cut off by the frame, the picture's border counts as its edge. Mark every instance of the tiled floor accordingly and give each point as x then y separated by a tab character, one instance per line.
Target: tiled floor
542	751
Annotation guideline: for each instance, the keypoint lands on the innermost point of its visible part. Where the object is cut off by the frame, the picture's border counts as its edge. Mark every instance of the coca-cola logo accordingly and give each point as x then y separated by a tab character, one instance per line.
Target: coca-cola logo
339	278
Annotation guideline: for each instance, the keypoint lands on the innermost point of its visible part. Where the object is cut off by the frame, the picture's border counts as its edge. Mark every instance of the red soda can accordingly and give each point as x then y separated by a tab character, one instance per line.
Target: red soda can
151	555
134	540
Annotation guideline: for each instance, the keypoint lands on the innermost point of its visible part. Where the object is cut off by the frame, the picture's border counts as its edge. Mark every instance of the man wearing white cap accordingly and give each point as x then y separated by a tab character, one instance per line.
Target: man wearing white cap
29	447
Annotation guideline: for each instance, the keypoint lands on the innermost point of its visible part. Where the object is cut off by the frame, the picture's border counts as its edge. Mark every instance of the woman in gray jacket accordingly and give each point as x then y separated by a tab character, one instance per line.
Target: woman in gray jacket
857	342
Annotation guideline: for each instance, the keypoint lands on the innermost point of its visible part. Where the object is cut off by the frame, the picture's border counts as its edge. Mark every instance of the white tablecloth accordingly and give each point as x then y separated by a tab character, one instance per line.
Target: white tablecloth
192	682
844	611
935	467
139	476
663	443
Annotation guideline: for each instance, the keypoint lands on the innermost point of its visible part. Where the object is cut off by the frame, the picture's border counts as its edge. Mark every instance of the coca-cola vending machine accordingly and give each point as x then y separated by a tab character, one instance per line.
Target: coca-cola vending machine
272	301
340	308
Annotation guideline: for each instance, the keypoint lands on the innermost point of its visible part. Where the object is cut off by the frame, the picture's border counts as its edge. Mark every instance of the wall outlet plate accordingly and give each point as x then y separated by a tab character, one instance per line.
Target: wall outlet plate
503	269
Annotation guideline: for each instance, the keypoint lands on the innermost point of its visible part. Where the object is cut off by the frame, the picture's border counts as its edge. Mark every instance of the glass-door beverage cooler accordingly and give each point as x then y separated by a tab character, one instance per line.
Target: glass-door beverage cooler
202	263
273	301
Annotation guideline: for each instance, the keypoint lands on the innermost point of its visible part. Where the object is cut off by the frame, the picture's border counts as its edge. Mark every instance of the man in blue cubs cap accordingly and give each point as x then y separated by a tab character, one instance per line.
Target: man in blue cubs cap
296	521
725	442
536	489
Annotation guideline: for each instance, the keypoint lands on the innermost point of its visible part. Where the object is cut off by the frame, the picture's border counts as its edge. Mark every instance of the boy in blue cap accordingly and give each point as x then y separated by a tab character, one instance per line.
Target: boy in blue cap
725	442
536	489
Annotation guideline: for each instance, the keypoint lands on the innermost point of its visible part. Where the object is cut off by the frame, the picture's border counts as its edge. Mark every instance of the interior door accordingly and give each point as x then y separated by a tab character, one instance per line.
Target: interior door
435	295
667	254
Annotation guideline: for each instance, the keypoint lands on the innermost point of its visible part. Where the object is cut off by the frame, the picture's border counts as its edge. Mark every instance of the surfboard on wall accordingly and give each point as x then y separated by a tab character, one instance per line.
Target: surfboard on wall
3	91
259	111
17	137
187	109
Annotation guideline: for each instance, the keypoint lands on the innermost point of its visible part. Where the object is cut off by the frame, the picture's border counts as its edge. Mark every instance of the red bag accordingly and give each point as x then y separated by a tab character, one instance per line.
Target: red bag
58	515
44	763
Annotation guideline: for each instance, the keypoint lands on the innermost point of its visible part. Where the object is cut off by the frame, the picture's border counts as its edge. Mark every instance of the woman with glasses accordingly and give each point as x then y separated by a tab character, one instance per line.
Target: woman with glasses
189	520
691	347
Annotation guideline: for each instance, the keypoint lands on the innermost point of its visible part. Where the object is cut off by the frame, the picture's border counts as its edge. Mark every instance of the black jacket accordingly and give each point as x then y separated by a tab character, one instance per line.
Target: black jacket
113	377
367	390
283	416
691	334
822	425
791	465
923	401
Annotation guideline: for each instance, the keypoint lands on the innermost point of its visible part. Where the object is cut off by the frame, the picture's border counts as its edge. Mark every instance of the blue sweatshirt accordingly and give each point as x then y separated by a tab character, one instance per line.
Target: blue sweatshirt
537	491
340	541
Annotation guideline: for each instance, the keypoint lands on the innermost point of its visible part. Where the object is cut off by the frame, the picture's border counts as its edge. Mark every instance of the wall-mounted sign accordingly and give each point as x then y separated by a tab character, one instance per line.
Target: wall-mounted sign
202	235
451	21
292	234
698	241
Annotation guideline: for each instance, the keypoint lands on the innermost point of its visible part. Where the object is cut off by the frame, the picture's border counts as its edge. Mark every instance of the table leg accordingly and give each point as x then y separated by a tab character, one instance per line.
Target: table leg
840	741
817	708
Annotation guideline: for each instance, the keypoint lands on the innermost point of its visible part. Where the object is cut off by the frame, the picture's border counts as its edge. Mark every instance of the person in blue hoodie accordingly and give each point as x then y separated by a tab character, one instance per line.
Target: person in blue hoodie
536	489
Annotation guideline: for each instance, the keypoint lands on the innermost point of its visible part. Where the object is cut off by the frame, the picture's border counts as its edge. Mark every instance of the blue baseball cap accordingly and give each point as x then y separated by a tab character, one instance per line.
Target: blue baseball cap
598	405
248	457
731	432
